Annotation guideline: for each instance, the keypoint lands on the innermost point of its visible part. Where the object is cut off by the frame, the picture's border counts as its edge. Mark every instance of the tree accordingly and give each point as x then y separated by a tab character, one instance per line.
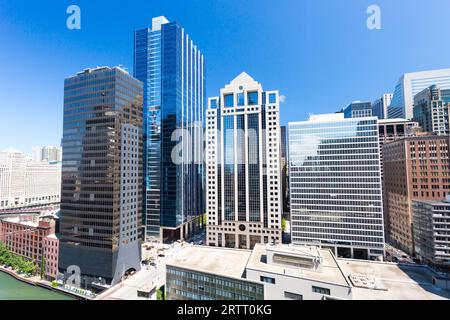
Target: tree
160	294
283	224
42	266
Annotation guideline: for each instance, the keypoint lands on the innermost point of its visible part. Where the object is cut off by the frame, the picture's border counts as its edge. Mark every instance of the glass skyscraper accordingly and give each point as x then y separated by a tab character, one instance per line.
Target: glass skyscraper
335	185
172	69
101	194
411	84
358	109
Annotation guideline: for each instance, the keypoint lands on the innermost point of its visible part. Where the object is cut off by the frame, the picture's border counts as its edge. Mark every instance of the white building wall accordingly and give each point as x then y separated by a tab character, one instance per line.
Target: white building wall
267	228
24	182
290	284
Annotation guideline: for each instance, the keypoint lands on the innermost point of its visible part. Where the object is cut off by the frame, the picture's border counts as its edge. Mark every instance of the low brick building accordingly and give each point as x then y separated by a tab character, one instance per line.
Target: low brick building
28	237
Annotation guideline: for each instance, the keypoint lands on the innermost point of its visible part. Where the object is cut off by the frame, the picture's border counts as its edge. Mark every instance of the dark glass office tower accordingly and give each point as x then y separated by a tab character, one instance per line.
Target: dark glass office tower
101	201
172	70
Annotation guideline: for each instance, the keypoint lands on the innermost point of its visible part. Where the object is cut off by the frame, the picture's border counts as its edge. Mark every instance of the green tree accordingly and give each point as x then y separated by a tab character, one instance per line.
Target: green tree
283	224
160	294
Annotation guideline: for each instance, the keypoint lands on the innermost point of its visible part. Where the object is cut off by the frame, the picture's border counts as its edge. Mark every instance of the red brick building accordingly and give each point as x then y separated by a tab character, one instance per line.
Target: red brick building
415	168
25	236
51	251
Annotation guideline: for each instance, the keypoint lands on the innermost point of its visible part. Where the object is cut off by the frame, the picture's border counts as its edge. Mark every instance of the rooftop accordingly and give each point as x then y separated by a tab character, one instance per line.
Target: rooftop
221	261
329	270
397	120
390	281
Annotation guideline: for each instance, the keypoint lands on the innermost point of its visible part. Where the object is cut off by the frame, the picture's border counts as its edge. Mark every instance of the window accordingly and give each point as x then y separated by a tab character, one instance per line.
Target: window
229	100
213	104
321	290
252	98
267	280
293	296
272	98
241	99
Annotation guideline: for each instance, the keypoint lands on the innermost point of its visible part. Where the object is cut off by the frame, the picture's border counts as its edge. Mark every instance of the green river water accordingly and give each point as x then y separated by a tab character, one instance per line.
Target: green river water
12	289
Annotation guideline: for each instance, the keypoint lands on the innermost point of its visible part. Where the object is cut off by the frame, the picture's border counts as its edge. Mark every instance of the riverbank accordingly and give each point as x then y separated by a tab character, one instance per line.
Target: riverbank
38	283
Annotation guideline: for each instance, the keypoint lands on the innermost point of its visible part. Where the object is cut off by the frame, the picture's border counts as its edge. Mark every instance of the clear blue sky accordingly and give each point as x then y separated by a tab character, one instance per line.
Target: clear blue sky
318	53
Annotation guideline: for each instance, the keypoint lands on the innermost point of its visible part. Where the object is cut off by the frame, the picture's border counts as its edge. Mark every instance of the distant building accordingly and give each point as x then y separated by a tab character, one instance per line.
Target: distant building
172	68
335	185
431	111
431	220
27	183
47	154
293	273
101	202
243	176
381	106
415	168
358	109
411	84
25	235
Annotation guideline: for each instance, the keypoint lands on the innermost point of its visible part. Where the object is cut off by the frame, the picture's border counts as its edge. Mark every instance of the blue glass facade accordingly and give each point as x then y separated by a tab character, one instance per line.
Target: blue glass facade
172	69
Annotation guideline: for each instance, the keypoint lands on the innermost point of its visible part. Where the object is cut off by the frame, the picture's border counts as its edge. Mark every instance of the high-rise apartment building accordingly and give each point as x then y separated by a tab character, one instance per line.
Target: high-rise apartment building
101	202
47	154
172	69
358	109
411	84
335	185
431	221
24	182
243	173
415	168
380	106
431	111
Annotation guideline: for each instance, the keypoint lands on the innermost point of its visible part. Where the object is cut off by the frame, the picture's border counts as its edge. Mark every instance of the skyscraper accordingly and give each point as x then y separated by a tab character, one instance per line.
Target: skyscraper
358	109
431	111
243	173
411	84
380	106
47	154
415	168
101	202
335	185
172	69
284	171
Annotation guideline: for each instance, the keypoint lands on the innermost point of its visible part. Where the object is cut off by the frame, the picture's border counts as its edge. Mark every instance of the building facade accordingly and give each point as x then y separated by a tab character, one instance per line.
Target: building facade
24	182
431	111
358	109
411	84
381	106
25	236
101	202
335	185
243	173
51	256
395	129
47	154
172	69
431	221
284	170
415	168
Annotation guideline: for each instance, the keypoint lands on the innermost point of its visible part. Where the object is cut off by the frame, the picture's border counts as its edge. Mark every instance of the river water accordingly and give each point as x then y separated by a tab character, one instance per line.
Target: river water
13	289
